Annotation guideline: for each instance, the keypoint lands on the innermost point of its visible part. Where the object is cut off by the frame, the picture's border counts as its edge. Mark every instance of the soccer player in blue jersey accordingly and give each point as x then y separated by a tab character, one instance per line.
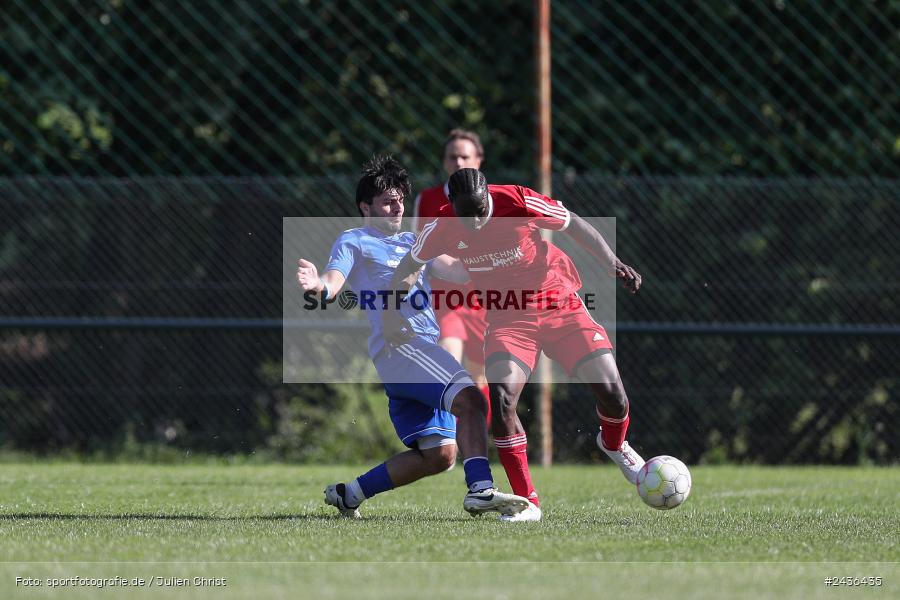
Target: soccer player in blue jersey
426	387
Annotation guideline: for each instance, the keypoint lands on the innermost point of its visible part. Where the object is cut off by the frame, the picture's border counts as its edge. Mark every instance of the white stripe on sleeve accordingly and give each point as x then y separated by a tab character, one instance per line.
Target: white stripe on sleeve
543	207
559	212
417	247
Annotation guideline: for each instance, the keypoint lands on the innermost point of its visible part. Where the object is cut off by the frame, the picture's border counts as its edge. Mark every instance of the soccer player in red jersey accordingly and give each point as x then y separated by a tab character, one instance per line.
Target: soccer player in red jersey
494	230
462	327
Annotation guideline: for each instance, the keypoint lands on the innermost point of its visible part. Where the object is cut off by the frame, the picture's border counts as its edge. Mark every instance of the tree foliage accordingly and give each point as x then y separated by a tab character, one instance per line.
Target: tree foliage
302	88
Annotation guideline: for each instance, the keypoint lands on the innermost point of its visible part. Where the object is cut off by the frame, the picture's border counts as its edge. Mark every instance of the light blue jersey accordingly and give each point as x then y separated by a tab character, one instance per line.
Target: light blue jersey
367	258
420	378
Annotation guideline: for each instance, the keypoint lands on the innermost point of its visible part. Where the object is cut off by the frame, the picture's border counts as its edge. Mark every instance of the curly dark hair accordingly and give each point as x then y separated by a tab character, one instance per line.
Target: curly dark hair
380	174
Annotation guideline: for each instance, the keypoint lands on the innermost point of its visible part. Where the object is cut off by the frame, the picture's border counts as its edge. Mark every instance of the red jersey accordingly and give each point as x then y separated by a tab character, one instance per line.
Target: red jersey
508	252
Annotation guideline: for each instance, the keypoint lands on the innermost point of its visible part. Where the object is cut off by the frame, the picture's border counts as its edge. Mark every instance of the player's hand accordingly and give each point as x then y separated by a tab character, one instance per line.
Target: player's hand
631	279
308	276
397	330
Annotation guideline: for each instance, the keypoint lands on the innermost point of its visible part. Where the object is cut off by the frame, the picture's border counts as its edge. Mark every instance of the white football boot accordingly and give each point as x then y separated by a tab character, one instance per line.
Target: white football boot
492	500
629	461
532	513
334	495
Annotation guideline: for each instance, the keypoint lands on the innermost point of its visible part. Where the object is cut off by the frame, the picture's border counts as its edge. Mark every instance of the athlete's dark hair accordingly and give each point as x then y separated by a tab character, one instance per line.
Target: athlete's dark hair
465	134
468	188
380	174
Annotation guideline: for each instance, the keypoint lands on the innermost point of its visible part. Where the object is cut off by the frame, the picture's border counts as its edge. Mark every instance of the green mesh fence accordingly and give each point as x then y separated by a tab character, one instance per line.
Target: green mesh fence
148	151
761	88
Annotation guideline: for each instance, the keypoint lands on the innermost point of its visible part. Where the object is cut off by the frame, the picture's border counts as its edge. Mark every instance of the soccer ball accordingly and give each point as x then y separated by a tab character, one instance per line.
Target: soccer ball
664	482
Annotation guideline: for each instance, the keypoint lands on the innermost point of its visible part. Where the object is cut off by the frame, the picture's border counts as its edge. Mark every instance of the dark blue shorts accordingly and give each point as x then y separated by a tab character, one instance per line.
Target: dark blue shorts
421	379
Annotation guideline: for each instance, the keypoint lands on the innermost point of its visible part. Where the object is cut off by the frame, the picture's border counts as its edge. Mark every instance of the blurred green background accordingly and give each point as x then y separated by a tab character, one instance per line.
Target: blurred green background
148	151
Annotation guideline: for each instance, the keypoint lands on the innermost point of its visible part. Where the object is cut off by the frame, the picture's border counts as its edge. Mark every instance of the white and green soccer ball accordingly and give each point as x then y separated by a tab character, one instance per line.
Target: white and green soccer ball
664	482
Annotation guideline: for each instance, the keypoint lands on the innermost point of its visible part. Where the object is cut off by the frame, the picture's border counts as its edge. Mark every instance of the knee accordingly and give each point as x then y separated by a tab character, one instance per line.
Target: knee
442	458
504	398
472	403
611	399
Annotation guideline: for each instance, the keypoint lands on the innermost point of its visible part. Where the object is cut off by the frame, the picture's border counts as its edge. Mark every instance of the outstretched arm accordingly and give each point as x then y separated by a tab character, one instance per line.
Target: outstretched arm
591	240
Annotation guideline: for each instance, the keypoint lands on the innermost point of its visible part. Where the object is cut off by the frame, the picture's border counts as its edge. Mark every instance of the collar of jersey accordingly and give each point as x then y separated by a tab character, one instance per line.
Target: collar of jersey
374	231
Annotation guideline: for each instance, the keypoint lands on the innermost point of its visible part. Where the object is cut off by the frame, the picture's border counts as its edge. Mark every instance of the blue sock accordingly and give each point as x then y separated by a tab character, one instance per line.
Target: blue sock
478	473
375	481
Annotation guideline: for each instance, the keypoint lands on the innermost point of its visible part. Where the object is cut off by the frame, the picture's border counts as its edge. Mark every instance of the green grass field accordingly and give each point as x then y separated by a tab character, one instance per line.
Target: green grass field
744	532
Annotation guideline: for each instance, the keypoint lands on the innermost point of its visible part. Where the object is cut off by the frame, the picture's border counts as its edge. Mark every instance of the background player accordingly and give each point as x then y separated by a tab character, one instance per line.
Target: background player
426	386
495	231
462	328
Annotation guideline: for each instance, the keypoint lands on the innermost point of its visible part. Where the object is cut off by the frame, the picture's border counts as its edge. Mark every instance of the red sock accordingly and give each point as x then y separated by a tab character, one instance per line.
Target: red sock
487	394
613	431
514	458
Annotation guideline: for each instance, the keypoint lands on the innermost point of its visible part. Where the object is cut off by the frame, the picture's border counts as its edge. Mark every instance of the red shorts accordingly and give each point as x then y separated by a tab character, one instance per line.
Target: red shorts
566	334
468	325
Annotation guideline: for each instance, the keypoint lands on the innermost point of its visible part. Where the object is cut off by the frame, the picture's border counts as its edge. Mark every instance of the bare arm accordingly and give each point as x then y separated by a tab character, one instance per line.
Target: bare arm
449	268
586	236
406	273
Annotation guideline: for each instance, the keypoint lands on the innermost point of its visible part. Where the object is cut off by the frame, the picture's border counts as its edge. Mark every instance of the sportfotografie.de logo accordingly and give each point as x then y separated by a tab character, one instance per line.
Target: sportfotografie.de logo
453	299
